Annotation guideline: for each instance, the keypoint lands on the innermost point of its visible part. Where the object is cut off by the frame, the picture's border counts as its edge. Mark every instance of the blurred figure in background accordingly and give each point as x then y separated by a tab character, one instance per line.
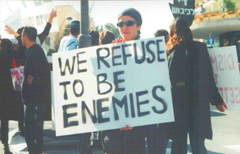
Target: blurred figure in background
95	37
157	139
106	37
162	32
70	42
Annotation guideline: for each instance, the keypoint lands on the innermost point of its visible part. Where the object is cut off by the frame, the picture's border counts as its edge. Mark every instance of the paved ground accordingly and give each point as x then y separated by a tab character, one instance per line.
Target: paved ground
226	138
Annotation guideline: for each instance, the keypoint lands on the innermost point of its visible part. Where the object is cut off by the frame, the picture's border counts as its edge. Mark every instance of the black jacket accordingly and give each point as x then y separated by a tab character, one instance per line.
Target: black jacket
191	101
36	66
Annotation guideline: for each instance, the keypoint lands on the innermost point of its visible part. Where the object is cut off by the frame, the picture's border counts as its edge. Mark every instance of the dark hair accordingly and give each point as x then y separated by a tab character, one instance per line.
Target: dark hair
106	37
7	47
19	31
74	31
161	32
179	32
95	37
31	32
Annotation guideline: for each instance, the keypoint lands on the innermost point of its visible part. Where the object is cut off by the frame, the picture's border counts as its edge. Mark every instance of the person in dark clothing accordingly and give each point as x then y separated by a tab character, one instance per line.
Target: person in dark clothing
20	58
126	140
162	32
34	90
157	139
7	93
95	37
193	88
106	37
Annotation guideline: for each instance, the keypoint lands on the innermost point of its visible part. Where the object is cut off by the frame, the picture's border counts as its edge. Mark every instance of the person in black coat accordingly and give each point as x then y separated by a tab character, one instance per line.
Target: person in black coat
8	106
34	90
193	88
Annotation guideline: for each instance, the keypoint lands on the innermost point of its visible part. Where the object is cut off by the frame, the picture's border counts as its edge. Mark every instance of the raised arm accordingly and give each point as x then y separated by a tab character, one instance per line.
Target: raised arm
53	14
9	30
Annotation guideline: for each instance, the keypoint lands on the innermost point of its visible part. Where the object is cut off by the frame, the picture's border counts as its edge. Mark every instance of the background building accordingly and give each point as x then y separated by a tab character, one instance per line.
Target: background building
219	19
65	15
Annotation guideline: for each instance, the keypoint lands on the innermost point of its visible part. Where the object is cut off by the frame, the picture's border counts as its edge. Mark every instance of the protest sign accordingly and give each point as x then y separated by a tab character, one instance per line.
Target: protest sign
35	14
226	73
183	9
111	86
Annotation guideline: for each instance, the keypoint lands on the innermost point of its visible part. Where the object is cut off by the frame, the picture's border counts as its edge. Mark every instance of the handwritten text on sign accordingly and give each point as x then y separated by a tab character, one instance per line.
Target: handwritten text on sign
226	73
108	87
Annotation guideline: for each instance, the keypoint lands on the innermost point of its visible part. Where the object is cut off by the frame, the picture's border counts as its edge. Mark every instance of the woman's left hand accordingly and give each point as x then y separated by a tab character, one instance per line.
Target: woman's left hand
221	107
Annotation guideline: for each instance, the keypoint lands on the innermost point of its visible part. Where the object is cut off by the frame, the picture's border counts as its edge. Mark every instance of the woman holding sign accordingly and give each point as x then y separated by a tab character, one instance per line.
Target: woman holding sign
127	140
193	87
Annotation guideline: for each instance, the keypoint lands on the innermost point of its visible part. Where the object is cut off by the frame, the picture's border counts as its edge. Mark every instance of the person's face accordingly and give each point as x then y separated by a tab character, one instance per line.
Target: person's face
23	38
128	32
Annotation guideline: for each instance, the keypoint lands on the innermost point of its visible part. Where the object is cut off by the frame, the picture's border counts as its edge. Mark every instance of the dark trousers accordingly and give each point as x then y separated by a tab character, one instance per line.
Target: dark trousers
34	128
157	139
179	144
21	120
124	142
84	143
4	131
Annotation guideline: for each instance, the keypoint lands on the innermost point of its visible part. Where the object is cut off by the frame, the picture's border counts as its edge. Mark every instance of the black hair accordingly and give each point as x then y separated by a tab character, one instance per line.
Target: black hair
95	37
162	32
106	37
7	47
31	32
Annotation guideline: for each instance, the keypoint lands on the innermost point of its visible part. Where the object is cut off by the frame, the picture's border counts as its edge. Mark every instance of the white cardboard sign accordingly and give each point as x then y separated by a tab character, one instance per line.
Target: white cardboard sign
111	86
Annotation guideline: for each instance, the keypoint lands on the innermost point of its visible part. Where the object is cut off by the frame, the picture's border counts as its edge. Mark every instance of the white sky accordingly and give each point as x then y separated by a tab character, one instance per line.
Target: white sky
155	14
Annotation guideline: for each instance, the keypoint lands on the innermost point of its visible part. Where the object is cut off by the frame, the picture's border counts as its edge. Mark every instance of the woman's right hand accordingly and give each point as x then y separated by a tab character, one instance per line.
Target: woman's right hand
118	41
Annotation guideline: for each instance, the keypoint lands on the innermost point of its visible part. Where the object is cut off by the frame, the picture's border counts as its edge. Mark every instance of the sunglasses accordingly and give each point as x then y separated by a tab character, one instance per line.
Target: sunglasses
128	23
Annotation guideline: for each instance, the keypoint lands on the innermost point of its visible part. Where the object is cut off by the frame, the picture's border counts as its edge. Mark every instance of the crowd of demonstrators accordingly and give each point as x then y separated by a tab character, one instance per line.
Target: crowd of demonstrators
20	58
192	88
39	40
35	90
